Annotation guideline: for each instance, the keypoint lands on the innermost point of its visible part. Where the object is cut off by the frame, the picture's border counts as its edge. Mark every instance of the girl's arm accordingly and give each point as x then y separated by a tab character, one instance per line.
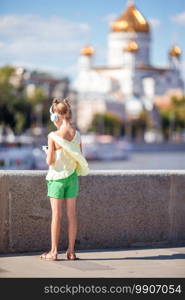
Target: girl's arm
50	152
81	147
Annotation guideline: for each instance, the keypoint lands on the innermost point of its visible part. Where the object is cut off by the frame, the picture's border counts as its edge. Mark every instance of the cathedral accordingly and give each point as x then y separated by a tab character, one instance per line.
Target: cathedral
128	77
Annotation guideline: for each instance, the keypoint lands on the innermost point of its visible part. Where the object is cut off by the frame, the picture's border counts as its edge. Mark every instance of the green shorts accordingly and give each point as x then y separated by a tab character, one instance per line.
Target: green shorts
64	188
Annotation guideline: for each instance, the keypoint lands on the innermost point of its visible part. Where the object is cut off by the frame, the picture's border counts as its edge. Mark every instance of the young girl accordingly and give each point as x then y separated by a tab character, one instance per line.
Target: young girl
66	162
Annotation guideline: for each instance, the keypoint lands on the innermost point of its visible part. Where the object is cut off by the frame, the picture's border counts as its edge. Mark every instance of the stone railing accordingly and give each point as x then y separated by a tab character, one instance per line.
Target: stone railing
115	209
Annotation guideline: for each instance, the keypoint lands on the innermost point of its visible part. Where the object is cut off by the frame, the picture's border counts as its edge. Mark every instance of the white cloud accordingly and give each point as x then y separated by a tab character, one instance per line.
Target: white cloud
155	23
179	19
41	42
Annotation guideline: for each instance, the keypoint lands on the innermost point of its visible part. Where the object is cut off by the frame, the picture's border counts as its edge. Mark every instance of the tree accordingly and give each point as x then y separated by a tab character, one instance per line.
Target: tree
106	123
36	99
8	100
16	107
173	117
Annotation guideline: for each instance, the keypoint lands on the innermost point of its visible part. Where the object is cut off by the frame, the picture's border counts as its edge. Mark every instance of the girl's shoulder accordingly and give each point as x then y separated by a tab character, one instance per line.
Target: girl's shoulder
65	135
50	133
63	130
62	134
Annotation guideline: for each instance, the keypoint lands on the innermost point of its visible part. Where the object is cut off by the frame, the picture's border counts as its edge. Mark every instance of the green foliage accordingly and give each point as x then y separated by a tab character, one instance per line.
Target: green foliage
107	123
36	97
144	121
16	108
174	115
5	74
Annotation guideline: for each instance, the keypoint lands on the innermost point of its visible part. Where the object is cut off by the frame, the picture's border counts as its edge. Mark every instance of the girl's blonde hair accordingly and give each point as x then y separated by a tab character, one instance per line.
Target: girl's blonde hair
62	107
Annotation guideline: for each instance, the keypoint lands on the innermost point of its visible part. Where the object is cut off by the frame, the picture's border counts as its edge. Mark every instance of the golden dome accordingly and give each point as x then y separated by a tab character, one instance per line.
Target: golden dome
175	51
132	46
87	50
131	20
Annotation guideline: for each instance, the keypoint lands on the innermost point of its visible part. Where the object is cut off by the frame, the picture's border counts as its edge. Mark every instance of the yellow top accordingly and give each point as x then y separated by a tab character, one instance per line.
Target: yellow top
68	159
131	20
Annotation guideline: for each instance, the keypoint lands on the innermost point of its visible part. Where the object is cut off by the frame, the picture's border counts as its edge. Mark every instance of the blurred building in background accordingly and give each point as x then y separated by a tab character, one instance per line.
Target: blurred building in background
26	98
129	81
30	80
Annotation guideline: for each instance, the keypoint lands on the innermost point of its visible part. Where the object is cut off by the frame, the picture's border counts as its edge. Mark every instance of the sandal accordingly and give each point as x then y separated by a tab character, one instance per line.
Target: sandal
71	256
48	256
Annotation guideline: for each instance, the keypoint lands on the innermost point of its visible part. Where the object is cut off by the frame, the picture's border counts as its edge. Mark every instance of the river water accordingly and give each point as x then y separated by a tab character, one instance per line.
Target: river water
144	161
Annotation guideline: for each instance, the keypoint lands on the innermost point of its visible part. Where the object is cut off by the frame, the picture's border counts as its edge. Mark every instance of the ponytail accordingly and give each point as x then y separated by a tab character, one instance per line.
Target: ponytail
62	107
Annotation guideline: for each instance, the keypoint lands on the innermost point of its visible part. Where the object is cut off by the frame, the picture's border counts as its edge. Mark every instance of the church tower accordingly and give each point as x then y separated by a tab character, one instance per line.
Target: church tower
130	26
86	58
175	57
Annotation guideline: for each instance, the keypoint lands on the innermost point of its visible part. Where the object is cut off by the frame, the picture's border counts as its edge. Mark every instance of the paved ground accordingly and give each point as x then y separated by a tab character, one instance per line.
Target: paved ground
163	262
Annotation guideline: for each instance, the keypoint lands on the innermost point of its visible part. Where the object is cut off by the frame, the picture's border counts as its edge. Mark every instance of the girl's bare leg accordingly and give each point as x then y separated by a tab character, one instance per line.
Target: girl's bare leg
72	223
56	206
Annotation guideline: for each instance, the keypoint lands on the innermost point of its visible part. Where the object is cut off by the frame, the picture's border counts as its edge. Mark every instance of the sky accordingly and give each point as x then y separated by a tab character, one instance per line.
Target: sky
48	34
